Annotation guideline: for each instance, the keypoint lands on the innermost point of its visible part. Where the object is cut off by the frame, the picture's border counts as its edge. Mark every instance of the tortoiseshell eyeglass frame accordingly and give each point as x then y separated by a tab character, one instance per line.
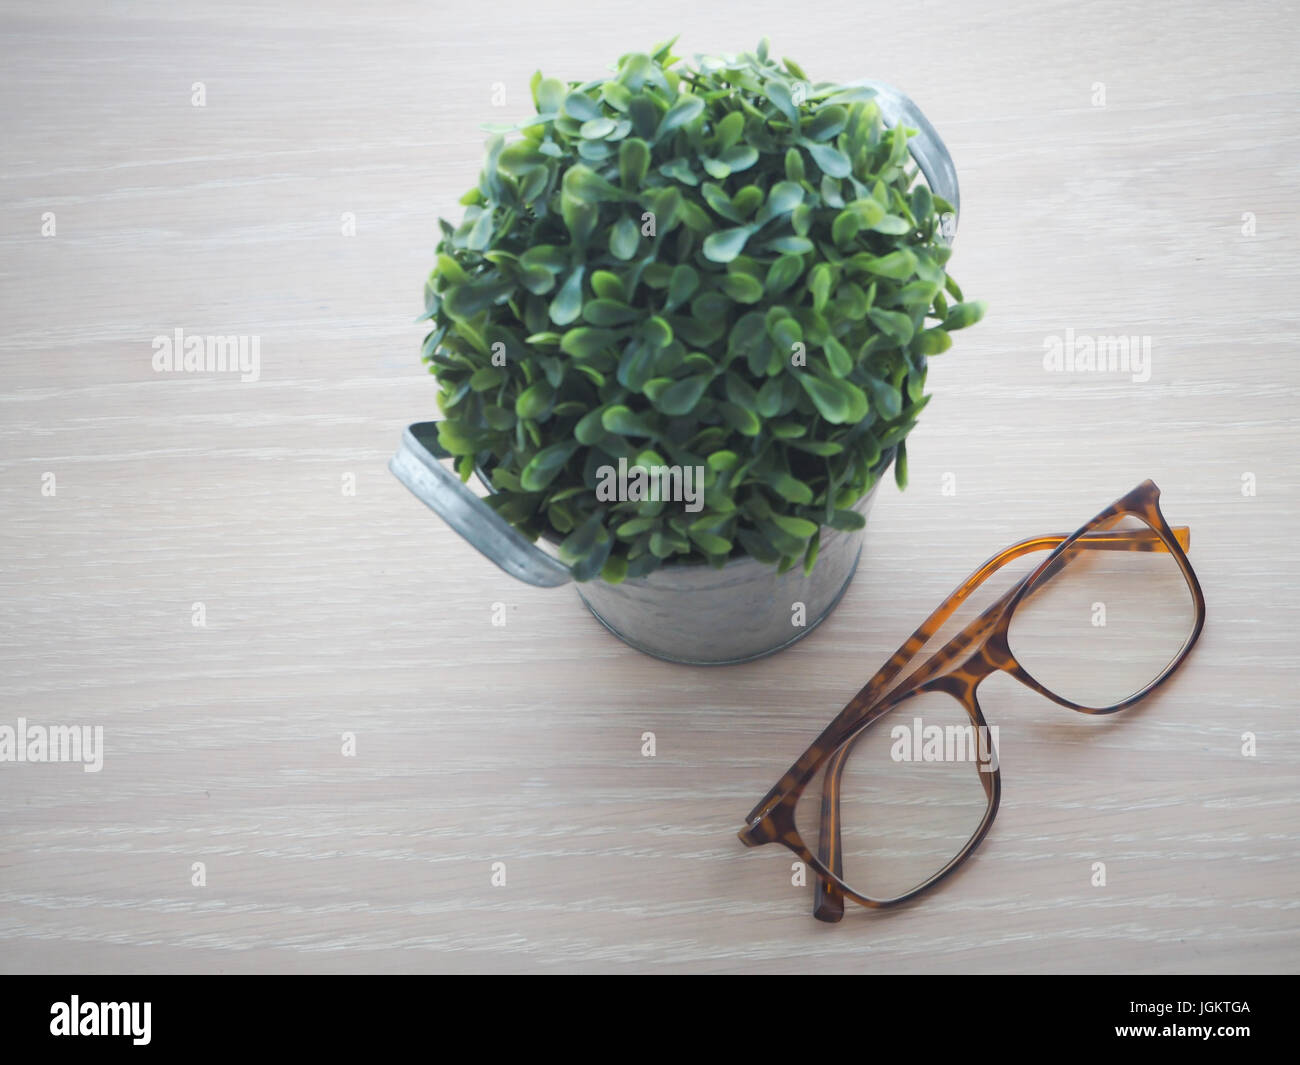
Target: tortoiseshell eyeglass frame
959	667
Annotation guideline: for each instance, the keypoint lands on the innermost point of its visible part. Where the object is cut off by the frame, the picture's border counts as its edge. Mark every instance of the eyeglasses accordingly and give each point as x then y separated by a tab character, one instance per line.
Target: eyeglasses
906	778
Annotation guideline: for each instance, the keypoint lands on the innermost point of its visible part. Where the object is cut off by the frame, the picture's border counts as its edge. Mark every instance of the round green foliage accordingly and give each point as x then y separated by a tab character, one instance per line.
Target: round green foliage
720	266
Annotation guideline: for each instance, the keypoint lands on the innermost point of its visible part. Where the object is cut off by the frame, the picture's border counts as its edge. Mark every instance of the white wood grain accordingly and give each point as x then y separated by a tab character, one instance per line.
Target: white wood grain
328	613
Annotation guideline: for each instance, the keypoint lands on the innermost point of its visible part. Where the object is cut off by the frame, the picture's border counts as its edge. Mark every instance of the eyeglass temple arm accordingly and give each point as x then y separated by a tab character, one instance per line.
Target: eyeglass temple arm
828	899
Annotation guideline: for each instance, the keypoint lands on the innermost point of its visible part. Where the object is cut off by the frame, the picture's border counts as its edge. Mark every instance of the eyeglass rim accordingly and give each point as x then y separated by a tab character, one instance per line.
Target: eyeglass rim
1143	502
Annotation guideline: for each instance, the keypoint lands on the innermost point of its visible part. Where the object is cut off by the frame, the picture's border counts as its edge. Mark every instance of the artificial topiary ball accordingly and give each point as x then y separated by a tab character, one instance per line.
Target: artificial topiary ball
720	268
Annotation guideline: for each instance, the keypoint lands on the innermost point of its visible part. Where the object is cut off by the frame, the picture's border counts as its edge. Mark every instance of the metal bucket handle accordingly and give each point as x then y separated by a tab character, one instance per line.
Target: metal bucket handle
417	464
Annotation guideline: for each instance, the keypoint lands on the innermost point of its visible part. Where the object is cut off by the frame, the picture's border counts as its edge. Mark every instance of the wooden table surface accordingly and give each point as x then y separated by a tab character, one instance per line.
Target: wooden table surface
1123	170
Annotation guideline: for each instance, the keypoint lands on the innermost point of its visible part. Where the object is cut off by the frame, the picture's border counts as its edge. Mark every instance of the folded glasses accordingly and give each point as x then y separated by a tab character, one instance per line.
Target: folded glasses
903	785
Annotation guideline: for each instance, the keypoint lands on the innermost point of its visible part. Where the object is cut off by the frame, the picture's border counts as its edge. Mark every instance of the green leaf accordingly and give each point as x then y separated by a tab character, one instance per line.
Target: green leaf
919	293
800	528
960	315
869	212
486	378
791	245
747	200
758	546
680	397
633	162
589	429
616	95
885	397
607	285
820	278
637	526
712	543
656	332
894	225
832	161
682	286
567	304
824	448
686	109
451	440
728	130
581	107
547	256
636	365
608	312
597	128
783	273
586	186
922	203
771	397
726	244
480	235
537	279
466	301
779	93
898	265
742	288
894	324
584	342
621	420
587	548
624	239
831	403
784	198
741	392
810	556
932	342
845	227
827	123
786	333
743	421
838	358
549	96
615	570
543	467
847	520
535	401
794	170
720	202
679	170
449	270
738	158
790	488
635	69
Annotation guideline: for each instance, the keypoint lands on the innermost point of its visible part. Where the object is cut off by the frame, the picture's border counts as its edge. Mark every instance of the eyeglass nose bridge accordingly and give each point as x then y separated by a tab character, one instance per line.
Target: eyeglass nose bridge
963	681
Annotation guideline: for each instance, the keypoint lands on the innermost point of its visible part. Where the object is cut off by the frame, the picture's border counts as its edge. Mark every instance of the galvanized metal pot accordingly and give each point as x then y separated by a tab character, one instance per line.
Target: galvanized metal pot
692	614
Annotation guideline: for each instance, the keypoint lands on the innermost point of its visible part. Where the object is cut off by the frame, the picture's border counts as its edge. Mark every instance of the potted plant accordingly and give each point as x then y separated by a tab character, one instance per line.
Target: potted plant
681	332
